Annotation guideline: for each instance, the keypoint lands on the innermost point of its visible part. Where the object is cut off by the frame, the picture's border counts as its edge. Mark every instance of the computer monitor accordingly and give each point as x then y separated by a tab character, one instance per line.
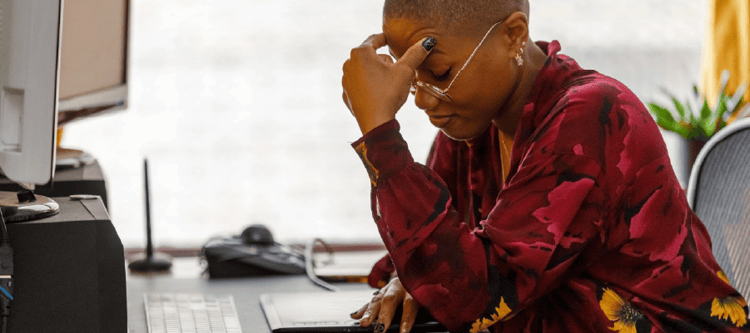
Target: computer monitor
60	60
29	67
73	52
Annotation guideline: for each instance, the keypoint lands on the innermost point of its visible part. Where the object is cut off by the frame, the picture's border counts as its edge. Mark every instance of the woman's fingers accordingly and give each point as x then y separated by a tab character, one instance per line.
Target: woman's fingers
372	310
386	58
409	313
359	313
415	55
383	307
393	297
375	41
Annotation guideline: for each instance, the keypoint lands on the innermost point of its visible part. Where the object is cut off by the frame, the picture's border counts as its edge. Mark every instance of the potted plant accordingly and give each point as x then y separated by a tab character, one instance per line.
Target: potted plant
696	121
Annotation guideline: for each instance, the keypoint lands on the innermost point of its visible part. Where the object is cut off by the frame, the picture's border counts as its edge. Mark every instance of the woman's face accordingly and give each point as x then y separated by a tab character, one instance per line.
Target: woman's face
478	95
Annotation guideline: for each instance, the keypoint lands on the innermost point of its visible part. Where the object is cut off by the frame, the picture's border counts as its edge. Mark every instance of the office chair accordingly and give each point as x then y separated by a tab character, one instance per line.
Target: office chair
719	192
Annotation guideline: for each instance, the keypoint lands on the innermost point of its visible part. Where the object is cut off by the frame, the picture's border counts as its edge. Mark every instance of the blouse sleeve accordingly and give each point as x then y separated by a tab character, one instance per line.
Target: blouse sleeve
469	279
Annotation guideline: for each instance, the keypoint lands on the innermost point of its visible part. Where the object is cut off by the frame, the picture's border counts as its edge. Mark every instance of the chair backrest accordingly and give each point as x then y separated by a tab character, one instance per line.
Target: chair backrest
719	192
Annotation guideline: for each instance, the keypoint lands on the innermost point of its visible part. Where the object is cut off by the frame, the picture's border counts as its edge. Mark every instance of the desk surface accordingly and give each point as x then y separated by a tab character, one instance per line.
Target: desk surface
185	278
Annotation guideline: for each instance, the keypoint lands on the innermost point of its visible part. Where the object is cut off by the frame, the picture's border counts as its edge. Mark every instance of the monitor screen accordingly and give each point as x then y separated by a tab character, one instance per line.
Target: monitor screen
93	59
29	66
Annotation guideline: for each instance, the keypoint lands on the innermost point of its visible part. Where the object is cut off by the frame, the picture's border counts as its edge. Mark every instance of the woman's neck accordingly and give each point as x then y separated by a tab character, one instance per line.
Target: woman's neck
534	59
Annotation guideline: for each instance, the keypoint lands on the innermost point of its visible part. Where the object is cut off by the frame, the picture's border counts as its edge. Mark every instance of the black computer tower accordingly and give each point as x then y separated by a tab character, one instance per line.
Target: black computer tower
69	272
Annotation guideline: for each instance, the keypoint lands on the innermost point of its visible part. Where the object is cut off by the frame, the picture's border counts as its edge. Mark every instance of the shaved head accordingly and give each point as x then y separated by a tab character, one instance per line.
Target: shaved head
456	16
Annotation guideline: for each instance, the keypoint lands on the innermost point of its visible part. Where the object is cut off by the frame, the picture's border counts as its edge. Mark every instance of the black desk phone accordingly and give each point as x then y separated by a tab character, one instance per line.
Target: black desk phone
252	253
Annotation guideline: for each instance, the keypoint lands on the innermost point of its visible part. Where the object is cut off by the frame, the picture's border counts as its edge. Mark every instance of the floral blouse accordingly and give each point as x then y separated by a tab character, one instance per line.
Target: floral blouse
590	232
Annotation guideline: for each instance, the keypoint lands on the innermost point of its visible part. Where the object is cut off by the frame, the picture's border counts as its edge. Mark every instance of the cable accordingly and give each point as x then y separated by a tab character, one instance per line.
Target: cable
309	264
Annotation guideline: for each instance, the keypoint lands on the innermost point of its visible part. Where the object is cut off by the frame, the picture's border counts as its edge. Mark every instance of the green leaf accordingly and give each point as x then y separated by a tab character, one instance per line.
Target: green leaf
666	121
722	108
710	123
695	133
689	112
683	129
705	110
707	126
678	106
661	113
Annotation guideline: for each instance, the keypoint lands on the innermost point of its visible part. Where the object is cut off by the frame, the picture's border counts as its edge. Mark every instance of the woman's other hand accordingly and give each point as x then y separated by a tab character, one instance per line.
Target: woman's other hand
381	309
375	87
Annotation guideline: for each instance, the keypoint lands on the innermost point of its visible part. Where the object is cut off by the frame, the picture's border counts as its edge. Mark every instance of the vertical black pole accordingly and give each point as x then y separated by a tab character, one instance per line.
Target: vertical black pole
152	262
149	245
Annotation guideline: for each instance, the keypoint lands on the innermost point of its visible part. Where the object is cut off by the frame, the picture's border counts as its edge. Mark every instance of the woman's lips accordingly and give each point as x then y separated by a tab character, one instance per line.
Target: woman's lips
440	121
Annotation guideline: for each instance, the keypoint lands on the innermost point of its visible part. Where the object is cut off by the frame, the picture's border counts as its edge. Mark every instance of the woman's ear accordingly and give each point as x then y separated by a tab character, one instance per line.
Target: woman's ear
517	30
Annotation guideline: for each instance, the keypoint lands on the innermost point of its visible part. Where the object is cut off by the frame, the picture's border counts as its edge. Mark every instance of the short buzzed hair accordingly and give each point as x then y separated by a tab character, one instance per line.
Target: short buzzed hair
456	16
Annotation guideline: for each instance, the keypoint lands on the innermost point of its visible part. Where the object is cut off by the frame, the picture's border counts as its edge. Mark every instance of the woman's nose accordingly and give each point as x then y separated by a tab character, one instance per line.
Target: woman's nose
424	100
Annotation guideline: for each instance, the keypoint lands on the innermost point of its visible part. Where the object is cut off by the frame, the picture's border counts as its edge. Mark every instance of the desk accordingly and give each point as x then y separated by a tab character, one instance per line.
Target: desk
245	291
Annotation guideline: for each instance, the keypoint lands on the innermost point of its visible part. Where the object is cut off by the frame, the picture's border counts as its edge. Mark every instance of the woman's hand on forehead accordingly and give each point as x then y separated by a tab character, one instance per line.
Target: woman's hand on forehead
413	57
376	87
375	41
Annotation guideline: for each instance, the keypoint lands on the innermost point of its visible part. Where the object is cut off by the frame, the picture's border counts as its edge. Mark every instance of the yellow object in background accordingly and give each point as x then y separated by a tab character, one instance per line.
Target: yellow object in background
59	135
727	47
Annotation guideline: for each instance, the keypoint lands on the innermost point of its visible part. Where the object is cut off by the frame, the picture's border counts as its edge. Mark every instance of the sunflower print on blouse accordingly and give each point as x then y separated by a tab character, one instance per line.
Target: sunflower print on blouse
732	307
501	311
620	312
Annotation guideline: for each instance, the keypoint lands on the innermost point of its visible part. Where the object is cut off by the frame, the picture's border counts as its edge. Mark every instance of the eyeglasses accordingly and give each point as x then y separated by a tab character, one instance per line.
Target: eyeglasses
442	94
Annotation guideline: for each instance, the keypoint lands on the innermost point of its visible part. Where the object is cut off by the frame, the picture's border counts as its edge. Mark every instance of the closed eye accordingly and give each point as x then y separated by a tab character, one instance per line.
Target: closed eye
443	76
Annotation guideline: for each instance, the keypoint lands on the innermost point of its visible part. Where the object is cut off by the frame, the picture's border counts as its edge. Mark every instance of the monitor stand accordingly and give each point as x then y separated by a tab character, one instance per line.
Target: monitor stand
26	206
76	172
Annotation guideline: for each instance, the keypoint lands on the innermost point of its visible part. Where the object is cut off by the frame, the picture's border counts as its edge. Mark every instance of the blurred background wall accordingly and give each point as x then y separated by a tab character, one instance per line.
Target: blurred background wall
237	105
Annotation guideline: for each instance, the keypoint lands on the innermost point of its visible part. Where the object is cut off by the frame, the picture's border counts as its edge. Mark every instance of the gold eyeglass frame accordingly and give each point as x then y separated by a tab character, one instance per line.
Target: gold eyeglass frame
442	94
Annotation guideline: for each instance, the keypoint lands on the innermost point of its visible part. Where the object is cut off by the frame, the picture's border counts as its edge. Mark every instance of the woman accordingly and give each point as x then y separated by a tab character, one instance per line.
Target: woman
548	202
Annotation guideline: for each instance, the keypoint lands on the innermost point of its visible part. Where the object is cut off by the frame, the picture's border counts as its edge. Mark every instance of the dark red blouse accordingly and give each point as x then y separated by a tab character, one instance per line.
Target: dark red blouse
590	233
